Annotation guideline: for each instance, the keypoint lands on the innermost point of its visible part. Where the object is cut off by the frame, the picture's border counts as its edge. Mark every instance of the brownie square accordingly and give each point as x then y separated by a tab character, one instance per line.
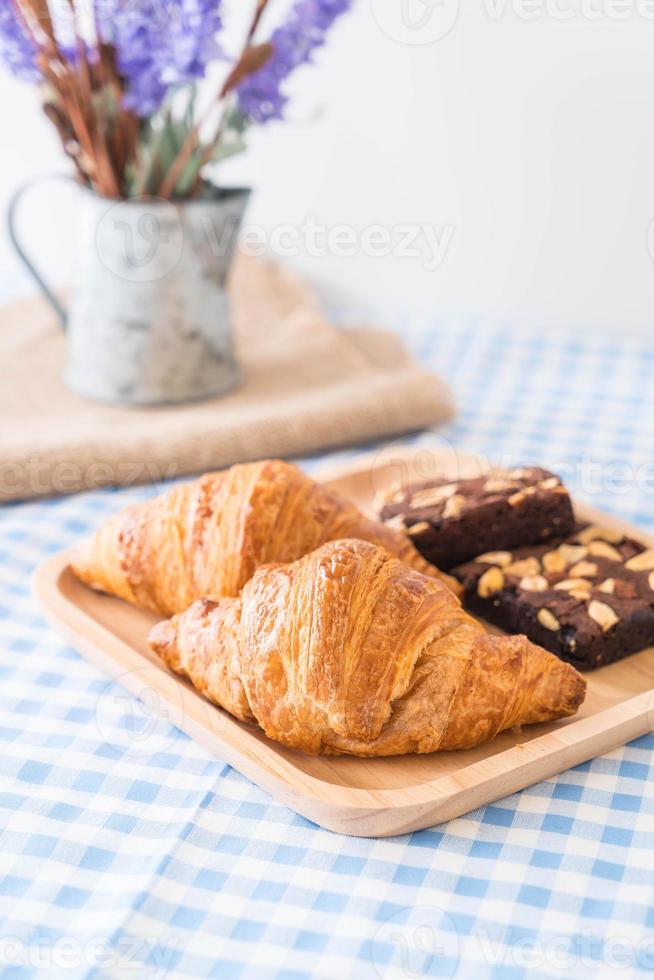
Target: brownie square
451	521
589	597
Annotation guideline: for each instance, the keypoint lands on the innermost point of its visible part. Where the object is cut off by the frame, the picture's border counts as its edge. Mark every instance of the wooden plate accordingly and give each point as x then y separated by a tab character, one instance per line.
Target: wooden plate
361	797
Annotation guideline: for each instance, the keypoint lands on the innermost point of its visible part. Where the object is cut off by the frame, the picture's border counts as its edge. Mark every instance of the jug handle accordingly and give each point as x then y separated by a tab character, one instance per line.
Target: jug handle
12	231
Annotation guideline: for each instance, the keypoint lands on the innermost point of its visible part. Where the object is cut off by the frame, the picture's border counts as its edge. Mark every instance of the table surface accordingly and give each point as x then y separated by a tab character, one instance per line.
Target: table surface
127	850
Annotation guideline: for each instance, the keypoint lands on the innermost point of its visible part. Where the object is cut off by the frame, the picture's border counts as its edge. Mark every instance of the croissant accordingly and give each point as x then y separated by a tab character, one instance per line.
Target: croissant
206	538
349	651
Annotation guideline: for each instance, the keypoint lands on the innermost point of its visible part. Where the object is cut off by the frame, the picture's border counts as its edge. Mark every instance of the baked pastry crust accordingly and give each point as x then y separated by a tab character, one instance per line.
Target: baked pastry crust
208	537
348	651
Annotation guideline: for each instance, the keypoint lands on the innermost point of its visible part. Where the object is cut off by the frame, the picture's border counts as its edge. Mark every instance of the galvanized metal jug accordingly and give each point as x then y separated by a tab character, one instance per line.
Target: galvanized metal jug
149	322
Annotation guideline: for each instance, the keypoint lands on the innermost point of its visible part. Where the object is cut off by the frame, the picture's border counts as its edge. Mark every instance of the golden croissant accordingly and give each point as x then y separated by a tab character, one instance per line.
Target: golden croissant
206	538
348	650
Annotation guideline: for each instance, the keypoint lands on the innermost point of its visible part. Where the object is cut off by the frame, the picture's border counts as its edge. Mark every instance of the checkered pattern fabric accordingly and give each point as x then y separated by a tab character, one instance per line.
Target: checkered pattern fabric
127	850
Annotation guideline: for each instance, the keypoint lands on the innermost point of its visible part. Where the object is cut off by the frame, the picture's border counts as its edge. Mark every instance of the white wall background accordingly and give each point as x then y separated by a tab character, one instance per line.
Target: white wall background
526	134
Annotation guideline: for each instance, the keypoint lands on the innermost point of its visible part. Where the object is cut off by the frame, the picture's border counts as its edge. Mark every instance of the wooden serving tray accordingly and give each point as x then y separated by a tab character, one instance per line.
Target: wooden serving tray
360	797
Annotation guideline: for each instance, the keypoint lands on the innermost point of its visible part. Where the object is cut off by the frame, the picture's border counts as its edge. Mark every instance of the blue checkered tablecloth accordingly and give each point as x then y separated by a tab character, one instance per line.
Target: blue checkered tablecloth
128	851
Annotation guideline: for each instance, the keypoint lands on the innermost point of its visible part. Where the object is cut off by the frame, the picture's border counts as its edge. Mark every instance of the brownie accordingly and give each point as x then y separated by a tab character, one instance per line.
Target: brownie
451	521
588	597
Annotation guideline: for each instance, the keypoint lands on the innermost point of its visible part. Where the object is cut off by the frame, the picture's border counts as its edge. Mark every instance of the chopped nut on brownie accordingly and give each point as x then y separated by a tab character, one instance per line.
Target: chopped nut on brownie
452	521
588	597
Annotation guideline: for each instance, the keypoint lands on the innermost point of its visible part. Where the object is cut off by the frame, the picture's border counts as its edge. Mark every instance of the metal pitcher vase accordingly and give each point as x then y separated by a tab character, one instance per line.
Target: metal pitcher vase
149	321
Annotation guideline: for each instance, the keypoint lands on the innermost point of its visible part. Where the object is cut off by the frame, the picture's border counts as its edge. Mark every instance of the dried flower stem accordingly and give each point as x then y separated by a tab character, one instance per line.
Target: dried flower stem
244	65
106	91
104	141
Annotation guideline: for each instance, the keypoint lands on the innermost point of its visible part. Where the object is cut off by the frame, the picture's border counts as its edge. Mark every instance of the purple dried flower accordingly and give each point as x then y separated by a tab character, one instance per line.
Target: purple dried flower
17	49
160	44
305	29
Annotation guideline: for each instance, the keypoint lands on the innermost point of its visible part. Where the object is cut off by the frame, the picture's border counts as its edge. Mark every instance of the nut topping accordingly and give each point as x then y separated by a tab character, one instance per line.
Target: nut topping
650	580
580	584
496	485
490	582
534	583
548	620
642	562
418	528
524	566
583	594
517	498
583	569
572	553
391	495
594	531
454	505
495	558
602	614
397	521
549	483
432	495
553	561
604	550
608	586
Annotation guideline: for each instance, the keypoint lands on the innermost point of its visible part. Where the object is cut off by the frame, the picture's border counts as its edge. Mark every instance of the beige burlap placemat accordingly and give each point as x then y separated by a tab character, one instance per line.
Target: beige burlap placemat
307	386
